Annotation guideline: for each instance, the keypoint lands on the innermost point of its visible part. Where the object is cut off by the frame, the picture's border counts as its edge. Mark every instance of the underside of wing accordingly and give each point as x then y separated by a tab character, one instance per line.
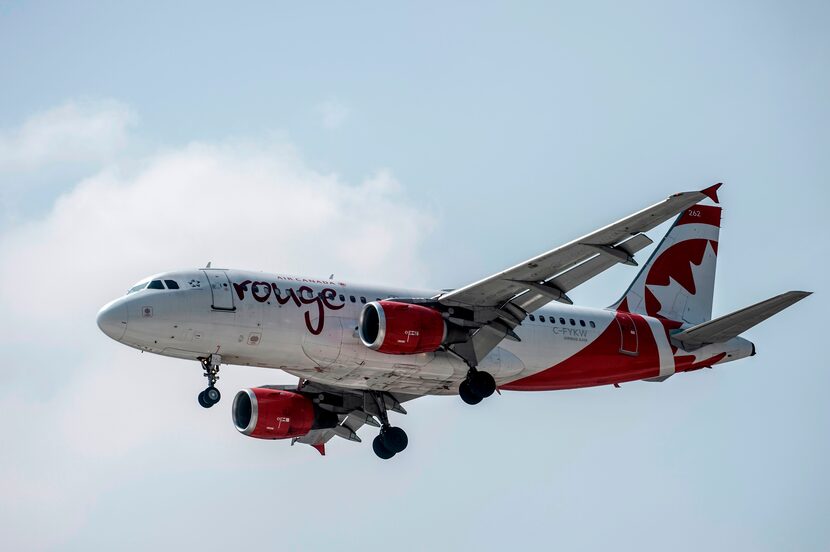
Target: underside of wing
354	409
347	429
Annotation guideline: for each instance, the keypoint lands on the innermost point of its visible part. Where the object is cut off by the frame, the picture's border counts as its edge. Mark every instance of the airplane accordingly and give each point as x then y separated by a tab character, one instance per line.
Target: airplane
362	351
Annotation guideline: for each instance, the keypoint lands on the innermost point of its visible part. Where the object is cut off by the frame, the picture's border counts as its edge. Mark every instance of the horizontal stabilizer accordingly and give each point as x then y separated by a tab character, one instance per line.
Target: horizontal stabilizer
732	325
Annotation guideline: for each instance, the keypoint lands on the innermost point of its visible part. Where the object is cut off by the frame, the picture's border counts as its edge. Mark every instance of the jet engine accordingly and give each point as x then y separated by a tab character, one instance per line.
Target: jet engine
401	328
277	414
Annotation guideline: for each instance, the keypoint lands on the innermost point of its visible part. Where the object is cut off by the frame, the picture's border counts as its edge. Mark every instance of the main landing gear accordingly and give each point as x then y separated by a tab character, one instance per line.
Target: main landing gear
391	440
477	387
211	394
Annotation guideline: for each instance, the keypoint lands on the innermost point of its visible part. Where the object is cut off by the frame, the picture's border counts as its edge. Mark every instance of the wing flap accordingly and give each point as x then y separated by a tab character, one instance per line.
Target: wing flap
581	273
732	325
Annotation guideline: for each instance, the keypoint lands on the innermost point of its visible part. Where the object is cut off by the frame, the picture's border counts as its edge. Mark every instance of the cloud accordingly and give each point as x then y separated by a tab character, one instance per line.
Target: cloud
241	204
235	204
79	131
333	113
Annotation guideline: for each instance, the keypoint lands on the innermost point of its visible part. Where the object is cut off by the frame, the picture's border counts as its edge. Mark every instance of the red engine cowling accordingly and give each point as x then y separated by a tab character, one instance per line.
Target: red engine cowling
272	413
400	328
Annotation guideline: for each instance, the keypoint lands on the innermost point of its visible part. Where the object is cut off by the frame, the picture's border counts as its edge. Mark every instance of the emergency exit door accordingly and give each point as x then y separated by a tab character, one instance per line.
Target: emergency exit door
628	334
220	289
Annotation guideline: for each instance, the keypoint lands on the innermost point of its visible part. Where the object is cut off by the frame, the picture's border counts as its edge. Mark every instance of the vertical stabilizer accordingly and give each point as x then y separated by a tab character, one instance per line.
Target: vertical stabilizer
678	281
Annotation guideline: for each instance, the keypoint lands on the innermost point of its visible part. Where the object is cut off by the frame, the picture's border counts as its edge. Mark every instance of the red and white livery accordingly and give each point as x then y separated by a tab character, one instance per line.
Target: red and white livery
361	351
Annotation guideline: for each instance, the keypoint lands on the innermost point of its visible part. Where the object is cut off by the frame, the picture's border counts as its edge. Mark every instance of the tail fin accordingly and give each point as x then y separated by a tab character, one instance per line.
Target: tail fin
678	281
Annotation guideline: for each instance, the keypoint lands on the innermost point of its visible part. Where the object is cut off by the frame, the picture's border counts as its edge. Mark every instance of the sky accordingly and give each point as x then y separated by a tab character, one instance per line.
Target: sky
423	145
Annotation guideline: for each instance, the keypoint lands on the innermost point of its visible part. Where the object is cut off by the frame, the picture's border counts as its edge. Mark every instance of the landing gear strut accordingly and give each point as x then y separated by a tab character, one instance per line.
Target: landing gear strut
211	394
477	387
391	440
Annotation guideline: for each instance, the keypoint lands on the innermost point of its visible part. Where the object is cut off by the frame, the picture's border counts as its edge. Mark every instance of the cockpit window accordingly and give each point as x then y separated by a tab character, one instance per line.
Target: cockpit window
137	287
155	284
171	284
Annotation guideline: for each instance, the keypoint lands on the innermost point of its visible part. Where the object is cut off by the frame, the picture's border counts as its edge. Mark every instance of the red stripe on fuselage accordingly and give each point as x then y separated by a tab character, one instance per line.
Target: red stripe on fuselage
600	363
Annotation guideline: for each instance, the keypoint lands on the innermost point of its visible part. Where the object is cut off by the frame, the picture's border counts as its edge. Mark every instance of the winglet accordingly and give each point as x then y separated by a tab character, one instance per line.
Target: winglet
712	192
321	448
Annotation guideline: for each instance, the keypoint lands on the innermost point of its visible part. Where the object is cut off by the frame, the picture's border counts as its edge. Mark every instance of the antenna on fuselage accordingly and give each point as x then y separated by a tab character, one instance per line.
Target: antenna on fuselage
208	265
331	277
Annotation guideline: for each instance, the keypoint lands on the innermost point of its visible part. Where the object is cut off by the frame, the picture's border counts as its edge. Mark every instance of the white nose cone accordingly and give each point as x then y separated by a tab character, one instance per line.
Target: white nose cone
112	319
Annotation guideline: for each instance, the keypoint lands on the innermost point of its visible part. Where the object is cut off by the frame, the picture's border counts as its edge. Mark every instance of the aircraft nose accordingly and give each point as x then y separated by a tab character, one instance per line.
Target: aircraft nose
112	319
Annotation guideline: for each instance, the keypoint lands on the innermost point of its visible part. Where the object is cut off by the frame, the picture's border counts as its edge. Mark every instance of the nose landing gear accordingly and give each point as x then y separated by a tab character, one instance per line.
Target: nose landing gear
211	394
209	397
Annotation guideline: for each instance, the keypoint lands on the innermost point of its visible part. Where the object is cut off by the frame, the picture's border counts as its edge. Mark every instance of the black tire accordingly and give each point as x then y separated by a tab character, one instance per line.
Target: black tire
203	401
394	439
467	394
212	395
483	384
380	449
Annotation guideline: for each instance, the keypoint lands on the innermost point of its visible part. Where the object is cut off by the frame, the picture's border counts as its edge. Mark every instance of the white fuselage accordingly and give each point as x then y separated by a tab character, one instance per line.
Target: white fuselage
308	328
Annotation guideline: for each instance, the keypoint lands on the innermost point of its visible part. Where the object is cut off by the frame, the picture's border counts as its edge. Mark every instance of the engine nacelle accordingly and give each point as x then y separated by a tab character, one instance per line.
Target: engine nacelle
401	328
272	413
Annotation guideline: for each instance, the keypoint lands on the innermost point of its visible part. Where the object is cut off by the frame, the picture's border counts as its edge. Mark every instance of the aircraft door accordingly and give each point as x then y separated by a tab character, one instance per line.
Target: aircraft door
220	289
628	334
324	348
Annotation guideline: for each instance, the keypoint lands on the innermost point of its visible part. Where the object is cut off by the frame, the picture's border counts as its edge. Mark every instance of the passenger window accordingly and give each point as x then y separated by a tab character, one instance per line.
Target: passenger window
156	284
351	298
363	300
591	323
342	298
562	321
572	322
582	323
541	319
532	318
171	284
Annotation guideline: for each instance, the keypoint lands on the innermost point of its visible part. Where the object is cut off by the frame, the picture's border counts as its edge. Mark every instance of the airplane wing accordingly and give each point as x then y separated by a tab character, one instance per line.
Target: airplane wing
732	325
353	407
500	302
347	429
610	245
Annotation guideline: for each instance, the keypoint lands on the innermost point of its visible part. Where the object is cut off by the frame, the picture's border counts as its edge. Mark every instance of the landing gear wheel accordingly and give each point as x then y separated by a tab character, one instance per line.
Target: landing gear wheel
394	439
482	384
203	401
467	394
380	449
212	395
